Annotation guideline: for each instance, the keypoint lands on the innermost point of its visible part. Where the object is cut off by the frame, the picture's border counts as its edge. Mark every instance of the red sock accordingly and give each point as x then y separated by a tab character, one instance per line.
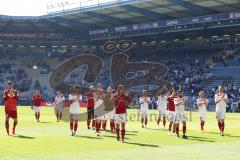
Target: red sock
104	125
60	116
158	121
223	125
112	126
75	127
88	123
146	121
97	126
100	125
38	115
170	127
177	128
71	126
14	124
184	129
174	127
202	125
220	126
117	131
142	120
123	133
7	127
164	121
93	123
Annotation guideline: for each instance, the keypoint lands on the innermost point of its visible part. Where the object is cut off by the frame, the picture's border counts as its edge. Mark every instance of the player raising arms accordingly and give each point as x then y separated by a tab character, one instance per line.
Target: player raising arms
99	108
90	107
221	100
75	99
37	100
144	101
180	103
109	109
202	106
171	111
121	100
162	108
59	104
11	97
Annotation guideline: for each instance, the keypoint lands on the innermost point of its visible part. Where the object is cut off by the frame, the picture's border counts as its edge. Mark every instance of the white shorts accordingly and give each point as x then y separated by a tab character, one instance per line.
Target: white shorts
109	115
171	115
220	114
36	109
162	112
98	117
143	113
202	114
180	117
120	118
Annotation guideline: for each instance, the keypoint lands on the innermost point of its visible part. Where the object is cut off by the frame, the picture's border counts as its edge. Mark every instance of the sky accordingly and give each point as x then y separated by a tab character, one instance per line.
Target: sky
39	7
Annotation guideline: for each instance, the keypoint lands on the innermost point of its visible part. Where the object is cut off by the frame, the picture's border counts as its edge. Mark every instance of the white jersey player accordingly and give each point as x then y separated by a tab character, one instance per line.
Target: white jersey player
180	103
221	100
202	103
144	101
99	108
58	105
162	108
75	99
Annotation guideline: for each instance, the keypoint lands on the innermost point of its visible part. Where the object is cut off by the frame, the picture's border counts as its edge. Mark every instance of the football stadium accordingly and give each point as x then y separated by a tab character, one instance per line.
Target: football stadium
120	79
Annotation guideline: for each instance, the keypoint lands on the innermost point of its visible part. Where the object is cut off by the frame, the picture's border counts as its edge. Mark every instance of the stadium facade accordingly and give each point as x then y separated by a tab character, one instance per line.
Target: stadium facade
143	44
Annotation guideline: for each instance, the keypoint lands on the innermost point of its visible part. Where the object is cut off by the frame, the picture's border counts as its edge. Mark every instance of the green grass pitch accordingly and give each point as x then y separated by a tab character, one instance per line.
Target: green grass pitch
50	140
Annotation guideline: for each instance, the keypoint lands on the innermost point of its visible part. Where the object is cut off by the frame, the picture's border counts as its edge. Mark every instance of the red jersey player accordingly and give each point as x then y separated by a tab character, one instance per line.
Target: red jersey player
11	97
90	107
37	100
171	111
121	100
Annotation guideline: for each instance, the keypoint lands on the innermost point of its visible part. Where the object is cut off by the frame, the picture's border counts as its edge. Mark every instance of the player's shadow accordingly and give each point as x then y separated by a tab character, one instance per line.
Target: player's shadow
133	131
24	137
89	137
156	129
109	136
230	135
213	133
227	135
201	139
45	122
142	144
128	133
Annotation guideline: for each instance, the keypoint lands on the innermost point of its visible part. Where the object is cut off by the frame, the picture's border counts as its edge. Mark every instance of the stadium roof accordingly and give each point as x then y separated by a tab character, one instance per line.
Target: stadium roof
115	13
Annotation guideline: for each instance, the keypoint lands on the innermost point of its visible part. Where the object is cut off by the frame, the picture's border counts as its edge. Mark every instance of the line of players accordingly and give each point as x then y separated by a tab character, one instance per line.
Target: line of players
174	102
115	107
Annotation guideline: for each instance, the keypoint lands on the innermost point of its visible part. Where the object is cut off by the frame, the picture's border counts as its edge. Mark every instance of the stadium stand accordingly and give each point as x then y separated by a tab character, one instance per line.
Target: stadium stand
141	48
